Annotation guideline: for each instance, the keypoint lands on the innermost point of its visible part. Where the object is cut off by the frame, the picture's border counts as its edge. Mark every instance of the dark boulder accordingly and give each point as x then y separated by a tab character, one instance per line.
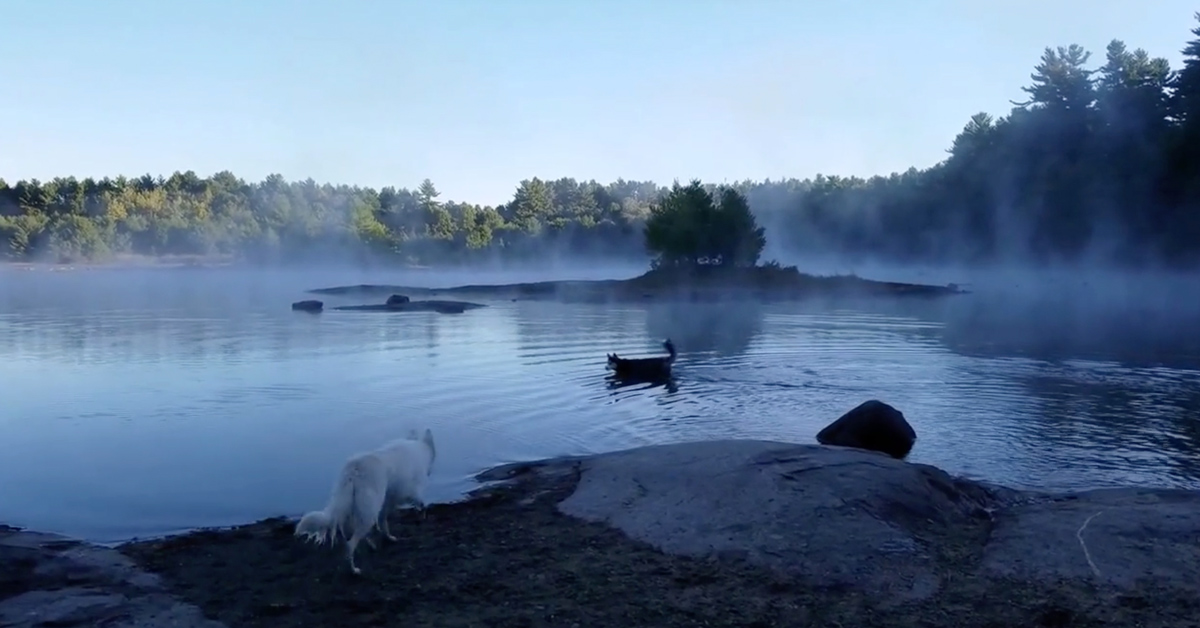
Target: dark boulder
311	305
873	425
397	299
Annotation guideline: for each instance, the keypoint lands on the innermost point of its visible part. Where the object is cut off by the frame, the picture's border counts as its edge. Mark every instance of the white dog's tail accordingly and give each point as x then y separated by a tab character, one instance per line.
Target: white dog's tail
353	507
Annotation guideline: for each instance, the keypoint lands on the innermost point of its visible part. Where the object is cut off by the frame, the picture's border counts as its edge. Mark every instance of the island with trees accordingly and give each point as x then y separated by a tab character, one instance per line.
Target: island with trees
706	246
1095	165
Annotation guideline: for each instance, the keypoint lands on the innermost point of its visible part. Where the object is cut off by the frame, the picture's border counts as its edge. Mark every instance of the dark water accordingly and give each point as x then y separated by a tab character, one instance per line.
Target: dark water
139	403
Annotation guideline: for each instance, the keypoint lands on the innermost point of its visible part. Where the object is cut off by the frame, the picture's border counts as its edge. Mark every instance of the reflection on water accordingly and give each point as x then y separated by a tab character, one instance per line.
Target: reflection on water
724	328
142	404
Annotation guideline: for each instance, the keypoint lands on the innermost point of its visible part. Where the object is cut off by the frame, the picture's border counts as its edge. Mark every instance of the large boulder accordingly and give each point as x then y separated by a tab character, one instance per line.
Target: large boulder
835	517
397	299
872	425
310	305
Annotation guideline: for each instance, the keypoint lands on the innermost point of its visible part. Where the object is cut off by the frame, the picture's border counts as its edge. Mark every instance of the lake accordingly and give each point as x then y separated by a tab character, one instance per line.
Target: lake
139	403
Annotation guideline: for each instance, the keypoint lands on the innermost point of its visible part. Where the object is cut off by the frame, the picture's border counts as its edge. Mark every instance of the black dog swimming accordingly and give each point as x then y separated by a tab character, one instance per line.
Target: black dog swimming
643	369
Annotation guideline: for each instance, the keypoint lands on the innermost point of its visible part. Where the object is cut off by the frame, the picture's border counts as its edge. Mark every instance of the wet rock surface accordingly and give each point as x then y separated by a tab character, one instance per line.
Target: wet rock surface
49	580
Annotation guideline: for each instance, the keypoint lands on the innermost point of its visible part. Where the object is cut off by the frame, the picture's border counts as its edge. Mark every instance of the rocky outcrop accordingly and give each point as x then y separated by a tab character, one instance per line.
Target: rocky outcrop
841	517
397	299
48	580
872	425
308	305
895	530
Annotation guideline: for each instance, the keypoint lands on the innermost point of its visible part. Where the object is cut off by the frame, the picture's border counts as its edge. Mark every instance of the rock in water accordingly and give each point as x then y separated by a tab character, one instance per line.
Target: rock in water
873	425
396	299
311	305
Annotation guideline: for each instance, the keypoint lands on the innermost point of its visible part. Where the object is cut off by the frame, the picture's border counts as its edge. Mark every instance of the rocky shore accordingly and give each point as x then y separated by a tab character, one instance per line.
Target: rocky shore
745	533
49	580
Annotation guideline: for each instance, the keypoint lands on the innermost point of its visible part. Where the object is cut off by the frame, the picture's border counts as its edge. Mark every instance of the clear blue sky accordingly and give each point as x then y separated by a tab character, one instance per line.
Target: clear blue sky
479	94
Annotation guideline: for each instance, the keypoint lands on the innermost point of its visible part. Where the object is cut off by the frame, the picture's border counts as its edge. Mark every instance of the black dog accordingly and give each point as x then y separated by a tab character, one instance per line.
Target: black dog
643	369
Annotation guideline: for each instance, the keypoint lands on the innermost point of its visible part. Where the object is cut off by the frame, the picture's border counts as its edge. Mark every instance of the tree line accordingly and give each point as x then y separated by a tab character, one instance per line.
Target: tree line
1097	164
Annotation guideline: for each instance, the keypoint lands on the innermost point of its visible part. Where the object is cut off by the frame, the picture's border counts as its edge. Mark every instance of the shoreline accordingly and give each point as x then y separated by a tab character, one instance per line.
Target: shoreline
175	262
725	532
171	262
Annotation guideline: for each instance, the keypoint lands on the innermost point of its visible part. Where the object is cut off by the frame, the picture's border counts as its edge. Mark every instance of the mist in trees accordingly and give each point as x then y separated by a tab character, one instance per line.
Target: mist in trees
1100	163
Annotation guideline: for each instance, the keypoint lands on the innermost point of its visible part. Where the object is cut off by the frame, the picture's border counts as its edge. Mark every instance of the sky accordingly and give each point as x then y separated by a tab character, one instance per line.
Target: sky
477	95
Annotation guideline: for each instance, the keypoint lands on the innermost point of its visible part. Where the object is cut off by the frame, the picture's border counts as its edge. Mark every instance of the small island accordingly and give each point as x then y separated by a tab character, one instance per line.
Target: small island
707	246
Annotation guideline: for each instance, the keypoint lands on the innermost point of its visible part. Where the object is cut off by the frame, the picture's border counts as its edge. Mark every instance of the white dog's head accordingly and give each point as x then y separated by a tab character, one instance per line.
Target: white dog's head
315	527
427	438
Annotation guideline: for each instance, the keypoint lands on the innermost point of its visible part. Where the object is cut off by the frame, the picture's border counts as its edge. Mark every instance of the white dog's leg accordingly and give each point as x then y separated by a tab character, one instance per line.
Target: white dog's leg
383	525
351	545
389	504
419	500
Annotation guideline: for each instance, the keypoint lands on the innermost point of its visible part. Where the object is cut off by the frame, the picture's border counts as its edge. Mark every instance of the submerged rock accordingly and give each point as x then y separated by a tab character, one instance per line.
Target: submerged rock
396	299
308	305
442	307
872	425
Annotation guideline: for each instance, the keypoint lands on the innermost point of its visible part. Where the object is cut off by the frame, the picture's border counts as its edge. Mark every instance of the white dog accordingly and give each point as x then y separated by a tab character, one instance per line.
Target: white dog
369	487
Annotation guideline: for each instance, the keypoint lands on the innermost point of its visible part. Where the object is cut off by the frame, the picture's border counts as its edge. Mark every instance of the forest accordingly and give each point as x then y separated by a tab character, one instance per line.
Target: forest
1100	163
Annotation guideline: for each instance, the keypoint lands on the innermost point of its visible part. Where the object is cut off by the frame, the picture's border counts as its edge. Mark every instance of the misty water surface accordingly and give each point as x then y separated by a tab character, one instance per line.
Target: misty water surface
139	403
